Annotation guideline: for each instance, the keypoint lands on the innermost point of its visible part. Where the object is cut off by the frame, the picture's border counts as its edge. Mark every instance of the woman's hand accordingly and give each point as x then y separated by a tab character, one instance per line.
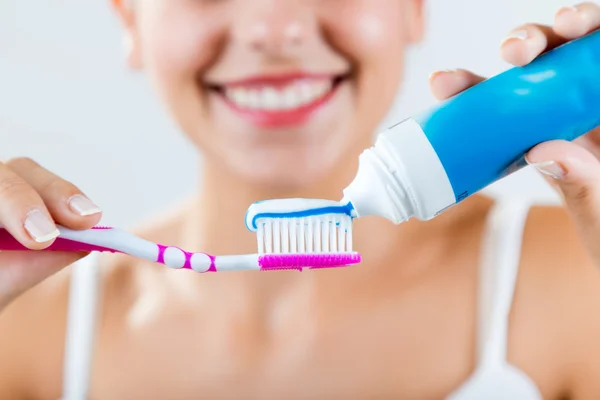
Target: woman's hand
573	168
31	200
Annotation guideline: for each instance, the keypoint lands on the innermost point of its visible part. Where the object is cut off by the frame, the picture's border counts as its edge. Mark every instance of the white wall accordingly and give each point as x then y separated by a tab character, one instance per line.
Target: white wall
67	101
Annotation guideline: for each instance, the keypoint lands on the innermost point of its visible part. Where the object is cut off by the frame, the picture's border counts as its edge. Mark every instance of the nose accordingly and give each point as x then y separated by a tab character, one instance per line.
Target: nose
274	27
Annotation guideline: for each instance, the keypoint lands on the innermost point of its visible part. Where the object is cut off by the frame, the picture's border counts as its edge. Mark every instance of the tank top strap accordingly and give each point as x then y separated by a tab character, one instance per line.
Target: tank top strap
81	326
498	271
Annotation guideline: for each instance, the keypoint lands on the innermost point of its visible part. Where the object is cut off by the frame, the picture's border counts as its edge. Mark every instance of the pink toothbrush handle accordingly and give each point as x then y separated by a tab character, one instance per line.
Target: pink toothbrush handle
9	243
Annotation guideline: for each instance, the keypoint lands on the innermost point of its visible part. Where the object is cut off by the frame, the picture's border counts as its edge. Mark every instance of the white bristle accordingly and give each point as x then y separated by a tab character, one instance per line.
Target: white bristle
276	236
260	237
349	236
318	244
294	236
310	248
285	236
268	237
325	235
341	235
301	236
315	234
332	236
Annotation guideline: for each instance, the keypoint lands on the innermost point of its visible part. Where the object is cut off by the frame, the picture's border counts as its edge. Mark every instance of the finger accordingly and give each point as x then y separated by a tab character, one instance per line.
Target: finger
527	42
577	174
23	213
577	21
445	84
67	204
21	271
590	141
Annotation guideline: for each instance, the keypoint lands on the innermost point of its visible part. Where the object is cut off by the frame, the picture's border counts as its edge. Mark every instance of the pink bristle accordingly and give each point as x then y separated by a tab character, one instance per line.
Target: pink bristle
275	262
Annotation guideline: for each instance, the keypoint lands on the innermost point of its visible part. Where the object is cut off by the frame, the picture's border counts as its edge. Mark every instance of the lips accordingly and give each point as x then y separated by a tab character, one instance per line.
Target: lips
279	101
293	95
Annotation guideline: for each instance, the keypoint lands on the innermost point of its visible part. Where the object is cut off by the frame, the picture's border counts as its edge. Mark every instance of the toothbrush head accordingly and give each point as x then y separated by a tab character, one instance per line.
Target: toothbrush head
278	262
297	233
301	226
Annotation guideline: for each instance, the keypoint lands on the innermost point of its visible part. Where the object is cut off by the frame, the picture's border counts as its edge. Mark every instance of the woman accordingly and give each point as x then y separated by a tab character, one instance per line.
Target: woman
281	97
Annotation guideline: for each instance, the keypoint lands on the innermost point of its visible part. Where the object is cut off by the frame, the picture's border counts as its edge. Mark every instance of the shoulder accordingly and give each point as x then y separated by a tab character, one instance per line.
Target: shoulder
560	286
554	254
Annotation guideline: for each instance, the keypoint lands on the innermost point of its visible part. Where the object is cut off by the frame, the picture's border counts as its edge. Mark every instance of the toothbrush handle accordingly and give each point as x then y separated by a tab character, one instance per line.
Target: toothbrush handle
9	243
105	239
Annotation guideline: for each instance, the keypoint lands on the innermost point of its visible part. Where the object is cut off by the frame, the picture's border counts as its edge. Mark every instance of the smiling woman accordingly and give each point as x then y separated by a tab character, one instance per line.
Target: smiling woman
280	97
212	61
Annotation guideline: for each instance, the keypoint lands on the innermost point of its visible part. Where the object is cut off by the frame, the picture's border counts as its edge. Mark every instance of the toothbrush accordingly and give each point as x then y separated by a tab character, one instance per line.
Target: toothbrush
108	239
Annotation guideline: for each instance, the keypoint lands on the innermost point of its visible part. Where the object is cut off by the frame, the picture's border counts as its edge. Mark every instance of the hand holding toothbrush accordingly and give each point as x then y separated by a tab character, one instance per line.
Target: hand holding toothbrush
31	200
573	168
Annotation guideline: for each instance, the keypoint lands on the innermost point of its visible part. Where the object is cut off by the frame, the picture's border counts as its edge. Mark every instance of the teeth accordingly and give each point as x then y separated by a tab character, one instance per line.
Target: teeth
290	99
270	98
253	99
241	97
307	92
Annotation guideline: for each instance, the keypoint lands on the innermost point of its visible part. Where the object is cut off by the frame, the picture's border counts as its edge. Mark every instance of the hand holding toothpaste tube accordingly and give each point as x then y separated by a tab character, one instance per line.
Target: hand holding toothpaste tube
573	168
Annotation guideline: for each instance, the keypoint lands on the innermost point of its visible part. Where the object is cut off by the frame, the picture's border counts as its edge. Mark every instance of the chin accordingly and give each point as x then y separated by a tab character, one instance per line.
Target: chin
287	173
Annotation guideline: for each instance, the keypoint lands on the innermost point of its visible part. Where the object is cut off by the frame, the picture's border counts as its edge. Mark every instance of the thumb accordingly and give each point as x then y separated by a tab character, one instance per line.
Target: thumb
576	173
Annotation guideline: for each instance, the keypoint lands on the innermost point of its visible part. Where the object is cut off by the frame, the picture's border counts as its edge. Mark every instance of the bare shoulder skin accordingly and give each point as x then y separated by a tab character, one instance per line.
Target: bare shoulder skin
556	304
32	336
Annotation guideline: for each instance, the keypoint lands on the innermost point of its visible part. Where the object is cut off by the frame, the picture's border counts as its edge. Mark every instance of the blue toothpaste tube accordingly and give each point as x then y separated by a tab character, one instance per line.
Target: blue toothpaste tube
434	160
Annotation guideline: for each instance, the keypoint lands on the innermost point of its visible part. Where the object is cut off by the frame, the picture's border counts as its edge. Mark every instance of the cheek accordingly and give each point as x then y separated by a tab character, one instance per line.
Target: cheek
374	36
178	44
370	29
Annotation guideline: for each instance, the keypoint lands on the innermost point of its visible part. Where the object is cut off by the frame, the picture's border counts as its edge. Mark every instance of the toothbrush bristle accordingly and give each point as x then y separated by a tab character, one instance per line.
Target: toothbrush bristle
319	234
274	262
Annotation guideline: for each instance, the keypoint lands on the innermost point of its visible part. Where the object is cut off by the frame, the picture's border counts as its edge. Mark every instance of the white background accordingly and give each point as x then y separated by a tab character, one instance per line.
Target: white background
67	100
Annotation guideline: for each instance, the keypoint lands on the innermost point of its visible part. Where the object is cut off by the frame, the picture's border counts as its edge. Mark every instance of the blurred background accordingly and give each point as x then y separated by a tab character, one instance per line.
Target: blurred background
67	100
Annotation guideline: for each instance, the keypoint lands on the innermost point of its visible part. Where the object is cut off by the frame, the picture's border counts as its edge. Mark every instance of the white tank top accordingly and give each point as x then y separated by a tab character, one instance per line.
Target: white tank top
493	379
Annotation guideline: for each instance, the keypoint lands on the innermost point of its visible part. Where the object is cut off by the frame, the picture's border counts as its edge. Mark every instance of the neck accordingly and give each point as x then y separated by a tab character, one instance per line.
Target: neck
215	224
224	199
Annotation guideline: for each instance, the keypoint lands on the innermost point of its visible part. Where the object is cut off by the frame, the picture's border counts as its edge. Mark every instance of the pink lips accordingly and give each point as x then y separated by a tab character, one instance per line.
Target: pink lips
279	101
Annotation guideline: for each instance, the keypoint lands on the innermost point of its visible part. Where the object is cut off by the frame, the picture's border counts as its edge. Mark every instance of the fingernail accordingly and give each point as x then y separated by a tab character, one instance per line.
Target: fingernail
551	169
520	35
445	71
569	9
40	227
83	206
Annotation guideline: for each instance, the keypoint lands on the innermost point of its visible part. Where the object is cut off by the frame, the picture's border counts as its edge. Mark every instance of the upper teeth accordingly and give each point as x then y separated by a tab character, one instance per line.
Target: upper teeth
288	97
